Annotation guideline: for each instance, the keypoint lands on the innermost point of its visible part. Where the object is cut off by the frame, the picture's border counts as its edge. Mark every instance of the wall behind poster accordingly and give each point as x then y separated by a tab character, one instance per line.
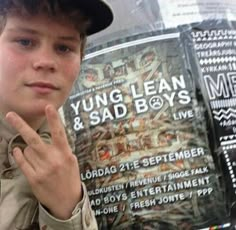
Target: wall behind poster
153	114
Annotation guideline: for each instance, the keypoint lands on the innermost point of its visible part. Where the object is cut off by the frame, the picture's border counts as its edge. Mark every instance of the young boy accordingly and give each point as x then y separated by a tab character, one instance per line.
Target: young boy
41	47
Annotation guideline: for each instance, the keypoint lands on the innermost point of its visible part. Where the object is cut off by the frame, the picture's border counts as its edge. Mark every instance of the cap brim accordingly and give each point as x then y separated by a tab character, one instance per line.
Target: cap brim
98	12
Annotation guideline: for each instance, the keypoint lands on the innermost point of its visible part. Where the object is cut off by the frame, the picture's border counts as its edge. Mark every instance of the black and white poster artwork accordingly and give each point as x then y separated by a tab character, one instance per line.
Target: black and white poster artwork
152	116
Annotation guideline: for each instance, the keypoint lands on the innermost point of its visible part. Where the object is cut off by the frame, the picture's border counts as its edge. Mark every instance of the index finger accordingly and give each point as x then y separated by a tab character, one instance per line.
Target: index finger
28	134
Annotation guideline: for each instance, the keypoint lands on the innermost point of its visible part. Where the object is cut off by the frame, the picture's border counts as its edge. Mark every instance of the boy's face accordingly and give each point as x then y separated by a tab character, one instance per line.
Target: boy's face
39	61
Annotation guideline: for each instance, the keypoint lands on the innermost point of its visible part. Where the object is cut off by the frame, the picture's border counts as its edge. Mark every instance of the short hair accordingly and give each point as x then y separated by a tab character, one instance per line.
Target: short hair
53	8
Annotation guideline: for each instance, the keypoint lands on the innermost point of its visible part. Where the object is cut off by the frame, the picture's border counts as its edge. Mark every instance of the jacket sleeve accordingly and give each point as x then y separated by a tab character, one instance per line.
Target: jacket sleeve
82	217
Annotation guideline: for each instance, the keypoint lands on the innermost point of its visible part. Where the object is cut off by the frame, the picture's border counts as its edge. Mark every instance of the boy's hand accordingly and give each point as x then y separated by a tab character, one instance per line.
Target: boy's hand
51	169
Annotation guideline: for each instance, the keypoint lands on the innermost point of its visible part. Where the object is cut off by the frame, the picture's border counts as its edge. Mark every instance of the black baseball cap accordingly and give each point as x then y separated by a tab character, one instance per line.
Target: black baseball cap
98	11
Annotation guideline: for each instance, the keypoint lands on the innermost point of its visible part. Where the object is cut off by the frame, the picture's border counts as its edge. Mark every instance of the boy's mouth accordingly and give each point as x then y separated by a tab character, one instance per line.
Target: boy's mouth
42	87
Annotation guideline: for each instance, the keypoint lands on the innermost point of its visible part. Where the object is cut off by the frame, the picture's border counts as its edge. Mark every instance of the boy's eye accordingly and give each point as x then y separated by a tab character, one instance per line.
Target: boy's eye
63	48
25	42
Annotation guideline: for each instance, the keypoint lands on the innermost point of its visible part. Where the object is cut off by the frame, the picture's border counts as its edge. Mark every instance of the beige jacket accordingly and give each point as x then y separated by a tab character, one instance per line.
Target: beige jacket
18	206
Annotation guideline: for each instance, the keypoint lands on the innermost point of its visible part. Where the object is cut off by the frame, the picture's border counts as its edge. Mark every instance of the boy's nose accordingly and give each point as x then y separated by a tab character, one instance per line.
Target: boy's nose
45	61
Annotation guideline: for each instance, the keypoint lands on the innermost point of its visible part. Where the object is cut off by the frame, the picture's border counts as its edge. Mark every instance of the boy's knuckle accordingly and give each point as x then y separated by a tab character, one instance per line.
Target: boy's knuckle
56	166
71	159
38	179
33	141
27	152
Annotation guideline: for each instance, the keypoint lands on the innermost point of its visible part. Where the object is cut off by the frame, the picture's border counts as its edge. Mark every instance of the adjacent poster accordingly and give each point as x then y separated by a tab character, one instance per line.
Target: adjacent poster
214	51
